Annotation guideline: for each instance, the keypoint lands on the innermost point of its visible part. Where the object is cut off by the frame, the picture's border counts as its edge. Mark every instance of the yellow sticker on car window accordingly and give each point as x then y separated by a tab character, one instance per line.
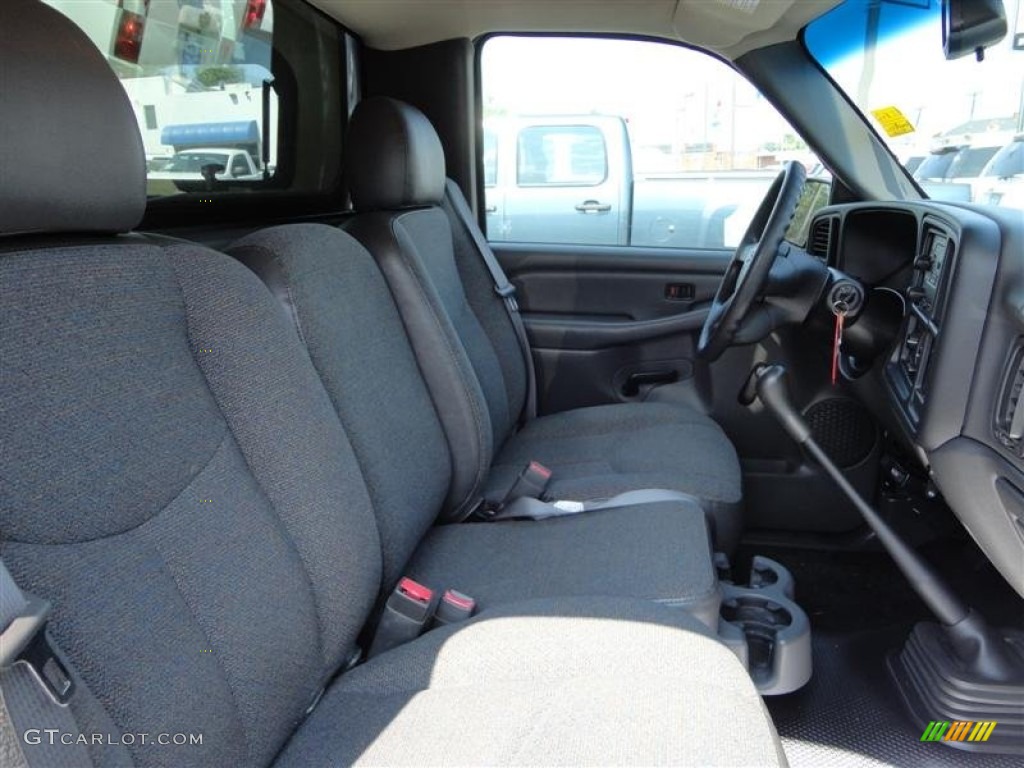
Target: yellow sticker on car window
893	122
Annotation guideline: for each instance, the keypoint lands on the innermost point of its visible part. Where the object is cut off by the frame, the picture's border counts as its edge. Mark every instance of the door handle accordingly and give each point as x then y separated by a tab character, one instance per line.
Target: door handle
631	387
491	209
593	206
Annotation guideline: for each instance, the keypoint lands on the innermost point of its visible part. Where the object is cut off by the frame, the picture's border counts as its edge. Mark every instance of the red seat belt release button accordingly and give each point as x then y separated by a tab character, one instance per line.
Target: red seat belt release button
454	607
406	614
532	482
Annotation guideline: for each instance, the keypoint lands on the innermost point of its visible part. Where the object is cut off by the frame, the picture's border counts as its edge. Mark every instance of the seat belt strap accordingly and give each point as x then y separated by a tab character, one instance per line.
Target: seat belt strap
37	728
502	287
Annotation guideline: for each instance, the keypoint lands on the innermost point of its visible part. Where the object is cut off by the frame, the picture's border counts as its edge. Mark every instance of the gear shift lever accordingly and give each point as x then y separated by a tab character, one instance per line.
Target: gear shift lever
976	644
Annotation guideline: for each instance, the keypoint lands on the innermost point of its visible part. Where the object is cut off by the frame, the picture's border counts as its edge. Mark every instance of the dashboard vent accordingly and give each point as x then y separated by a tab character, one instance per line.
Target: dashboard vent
820	242
1009	426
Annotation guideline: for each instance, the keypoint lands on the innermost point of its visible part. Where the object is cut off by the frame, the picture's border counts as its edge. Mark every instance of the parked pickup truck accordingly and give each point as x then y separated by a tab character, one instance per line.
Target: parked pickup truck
188	165
570	179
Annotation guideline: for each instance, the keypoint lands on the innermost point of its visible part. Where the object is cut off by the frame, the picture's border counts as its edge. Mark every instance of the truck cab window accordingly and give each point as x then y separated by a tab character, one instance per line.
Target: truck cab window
571	155
657	145
201	65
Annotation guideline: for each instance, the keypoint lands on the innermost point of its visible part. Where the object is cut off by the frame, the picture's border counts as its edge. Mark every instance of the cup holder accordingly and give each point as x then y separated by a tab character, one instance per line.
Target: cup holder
760	618
768	631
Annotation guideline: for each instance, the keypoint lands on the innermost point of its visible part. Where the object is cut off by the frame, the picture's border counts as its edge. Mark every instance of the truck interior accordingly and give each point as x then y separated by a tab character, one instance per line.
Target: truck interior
507	382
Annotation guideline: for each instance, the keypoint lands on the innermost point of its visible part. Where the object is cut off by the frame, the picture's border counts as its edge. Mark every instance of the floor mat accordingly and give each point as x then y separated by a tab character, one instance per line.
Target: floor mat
850	713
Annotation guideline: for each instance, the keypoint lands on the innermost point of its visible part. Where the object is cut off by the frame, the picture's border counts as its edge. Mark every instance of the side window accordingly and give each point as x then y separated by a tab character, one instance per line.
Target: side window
565	155
658	145
239	166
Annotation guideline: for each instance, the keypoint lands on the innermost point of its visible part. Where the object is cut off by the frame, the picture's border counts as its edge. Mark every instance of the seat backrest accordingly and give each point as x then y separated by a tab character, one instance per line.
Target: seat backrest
332	291
462	335
173	476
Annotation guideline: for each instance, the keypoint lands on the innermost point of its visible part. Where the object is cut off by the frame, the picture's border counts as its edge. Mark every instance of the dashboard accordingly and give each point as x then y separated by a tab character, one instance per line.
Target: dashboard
945	288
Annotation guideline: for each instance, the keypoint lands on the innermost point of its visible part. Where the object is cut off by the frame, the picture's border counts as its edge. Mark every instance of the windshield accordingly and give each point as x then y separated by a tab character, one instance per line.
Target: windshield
956	114
193	162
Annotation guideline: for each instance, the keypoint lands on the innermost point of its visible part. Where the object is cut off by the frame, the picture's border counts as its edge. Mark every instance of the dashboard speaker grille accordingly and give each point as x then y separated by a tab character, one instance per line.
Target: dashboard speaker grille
844	429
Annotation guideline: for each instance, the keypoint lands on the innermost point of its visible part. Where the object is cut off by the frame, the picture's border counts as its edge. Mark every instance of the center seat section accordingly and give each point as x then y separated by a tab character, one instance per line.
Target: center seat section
331	291
478	366
175	482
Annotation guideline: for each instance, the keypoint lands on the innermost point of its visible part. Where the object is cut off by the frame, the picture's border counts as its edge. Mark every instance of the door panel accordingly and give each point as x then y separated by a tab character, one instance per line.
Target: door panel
611	324
604	331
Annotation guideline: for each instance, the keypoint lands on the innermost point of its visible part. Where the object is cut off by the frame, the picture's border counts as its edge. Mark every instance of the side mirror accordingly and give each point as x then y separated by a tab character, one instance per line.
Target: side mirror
971	26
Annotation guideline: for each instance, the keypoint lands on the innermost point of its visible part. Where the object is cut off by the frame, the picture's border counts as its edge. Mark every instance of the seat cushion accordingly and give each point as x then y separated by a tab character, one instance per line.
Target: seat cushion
582	682
600	451
652	551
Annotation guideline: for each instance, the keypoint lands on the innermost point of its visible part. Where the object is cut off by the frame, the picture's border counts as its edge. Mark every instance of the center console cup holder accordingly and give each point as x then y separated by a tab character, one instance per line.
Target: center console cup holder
766	629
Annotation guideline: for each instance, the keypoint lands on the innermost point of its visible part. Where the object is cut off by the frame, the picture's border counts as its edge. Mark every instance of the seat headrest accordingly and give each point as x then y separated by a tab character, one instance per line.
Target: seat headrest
71	157
393	157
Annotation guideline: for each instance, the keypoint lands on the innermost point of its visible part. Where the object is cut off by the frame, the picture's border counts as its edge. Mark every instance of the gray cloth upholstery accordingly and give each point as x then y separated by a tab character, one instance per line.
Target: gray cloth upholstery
470	356
433	308
345	315
393	157
69	146
656	551
332	291
604	450
175	480
206	541
479	290
568	682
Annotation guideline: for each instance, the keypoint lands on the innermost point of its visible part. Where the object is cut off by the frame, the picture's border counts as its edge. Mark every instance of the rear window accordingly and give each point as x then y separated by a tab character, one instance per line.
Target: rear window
1008	161
227	83
970	162
935	166
563	155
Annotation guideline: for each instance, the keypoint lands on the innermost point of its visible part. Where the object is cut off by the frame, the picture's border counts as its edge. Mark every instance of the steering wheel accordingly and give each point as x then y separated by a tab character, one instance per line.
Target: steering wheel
748	269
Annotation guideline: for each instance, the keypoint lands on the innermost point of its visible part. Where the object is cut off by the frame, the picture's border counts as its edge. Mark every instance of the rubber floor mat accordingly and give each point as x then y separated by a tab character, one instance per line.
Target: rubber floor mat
850	713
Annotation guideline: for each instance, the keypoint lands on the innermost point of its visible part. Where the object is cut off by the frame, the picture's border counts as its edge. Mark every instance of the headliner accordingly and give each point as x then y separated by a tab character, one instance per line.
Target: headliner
728	27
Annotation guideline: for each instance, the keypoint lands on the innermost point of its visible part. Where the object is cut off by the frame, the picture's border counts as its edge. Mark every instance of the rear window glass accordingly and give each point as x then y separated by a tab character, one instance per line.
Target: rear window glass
1008	161
935	166
195	72
970	162
203	79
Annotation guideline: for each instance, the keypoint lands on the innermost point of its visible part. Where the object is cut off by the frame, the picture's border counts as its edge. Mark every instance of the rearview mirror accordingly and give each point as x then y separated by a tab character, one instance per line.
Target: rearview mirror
971	26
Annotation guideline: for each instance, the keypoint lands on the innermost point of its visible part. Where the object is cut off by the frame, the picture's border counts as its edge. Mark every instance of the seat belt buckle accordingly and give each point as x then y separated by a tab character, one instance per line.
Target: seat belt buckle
532	483
406	614
25	640
453	608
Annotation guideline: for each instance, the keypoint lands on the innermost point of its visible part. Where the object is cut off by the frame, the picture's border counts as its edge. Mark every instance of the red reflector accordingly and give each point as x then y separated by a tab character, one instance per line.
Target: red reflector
540	469
128	43
415	590
459	600
254	10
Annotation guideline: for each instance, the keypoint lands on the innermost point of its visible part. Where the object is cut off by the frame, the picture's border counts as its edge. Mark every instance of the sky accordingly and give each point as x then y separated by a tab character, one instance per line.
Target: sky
666	92
672	94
